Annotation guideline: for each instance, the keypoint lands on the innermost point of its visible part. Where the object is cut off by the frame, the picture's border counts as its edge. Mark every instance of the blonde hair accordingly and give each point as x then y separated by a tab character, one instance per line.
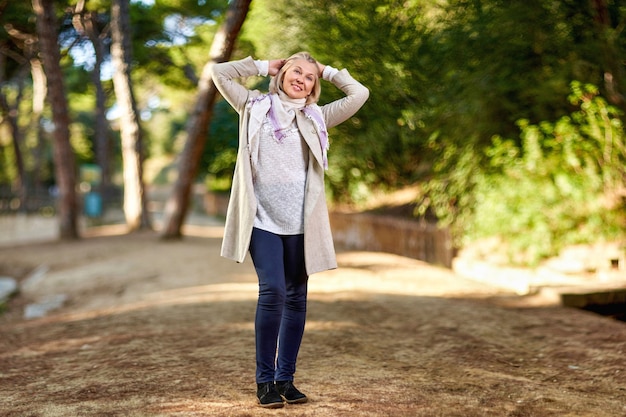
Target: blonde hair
277	81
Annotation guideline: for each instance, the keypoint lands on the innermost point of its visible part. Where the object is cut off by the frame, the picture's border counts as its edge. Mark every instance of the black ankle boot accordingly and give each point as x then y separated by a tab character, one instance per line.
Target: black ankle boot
290	393
268	396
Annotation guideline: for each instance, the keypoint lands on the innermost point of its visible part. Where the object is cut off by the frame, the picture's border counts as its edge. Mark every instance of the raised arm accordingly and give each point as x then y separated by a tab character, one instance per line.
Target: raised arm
339	111
224	75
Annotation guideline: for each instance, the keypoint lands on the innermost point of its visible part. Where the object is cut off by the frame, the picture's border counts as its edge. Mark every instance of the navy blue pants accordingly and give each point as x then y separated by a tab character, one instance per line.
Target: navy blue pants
281	308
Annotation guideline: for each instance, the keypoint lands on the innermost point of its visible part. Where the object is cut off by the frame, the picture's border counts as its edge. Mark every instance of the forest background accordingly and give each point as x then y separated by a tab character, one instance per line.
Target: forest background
506	115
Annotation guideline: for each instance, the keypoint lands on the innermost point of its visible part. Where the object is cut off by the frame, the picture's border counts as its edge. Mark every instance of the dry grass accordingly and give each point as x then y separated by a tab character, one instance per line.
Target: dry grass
158	328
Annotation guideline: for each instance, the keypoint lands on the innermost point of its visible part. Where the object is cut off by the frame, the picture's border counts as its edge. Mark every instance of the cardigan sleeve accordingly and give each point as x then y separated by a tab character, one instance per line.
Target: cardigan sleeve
329	73
224	75
339	111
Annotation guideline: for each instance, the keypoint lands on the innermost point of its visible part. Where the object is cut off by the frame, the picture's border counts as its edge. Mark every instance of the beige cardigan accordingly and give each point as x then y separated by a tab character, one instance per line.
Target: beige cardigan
319	251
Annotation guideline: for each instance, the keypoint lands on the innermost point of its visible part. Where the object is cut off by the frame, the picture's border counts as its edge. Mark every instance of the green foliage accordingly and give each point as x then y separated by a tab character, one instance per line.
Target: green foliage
221	150
449	80
381	44
563	185
444	78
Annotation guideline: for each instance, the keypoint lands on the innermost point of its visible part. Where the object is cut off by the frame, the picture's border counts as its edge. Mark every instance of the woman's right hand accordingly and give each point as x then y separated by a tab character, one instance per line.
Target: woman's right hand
320	69
275	65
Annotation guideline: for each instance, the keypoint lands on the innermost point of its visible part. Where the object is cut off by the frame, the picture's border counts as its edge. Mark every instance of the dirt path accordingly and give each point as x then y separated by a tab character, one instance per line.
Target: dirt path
156	328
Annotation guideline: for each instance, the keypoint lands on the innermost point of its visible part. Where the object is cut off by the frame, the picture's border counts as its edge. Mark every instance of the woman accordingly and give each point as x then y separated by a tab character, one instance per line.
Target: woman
277	209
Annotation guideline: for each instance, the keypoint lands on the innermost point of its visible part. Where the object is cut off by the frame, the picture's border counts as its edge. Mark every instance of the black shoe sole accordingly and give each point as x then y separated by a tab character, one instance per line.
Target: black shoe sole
272	405
298	401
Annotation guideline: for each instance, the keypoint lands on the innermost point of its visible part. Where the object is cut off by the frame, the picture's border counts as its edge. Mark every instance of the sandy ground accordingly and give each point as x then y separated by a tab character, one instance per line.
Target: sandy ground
165	328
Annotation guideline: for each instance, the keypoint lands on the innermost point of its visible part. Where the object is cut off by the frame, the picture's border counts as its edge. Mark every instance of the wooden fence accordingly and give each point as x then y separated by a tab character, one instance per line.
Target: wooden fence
370	232
405	237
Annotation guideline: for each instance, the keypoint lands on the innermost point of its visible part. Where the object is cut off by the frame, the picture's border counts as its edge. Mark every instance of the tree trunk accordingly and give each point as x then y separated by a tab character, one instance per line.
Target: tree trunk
64	161
86	23
31	60
614	75
11	112
135	200
40	92
198	124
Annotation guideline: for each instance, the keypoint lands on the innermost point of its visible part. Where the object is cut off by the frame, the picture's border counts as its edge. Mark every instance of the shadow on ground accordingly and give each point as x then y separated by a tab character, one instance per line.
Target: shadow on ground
165	328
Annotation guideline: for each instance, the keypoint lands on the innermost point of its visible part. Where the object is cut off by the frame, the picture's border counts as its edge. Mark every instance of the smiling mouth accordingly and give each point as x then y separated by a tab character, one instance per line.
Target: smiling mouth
296	87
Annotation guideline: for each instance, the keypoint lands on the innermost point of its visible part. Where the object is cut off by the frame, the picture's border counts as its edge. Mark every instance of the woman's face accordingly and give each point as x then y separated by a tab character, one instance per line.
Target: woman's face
299	79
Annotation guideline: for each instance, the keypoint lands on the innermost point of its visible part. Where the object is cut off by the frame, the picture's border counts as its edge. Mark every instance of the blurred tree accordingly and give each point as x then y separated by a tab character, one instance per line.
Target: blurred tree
608	25
197	126
383	44
18	57
63	156
10	114
501	62
93	25
135	198
445	78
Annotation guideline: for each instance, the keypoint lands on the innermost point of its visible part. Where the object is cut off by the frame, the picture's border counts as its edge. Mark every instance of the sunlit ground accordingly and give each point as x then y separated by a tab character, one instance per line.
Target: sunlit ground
361	274
23	228
166	328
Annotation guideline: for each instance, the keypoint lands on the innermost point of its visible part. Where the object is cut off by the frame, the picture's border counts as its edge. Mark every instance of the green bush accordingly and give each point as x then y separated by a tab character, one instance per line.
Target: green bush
564	184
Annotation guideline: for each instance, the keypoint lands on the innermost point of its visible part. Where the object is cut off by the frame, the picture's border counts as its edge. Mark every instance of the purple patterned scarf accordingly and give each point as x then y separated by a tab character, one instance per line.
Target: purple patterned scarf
311	112
316	116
